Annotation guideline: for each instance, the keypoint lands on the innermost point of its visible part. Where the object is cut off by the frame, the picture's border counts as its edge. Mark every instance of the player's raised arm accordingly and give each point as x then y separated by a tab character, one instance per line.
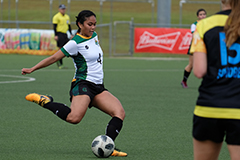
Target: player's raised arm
44	63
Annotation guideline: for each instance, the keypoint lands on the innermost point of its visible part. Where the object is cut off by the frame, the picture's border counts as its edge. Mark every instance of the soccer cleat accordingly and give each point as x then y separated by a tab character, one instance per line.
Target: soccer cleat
118	153
39	99
184	84
62	67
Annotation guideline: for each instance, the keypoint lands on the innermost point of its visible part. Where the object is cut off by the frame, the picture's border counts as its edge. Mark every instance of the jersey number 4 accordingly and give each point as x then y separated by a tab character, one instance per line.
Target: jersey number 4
99	60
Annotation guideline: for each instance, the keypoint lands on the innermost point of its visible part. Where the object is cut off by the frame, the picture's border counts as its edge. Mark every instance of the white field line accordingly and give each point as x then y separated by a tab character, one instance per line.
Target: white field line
105	70
142	70
23	79
153	58
29	79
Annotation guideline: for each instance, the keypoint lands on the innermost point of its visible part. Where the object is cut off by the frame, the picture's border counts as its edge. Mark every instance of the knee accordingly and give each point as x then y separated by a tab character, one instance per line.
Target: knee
120	114
73	119
123	114
189	67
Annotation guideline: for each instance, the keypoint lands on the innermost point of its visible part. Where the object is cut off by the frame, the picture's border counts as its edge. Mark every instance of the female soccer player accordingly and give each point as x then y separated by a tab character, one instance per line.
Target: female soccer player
87	87
201	13
216	59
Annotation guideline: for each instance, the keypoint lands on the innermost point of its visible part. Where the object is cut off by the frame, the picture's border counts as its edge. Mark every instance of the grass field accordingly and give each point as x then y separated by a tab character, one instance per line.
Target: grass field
158	111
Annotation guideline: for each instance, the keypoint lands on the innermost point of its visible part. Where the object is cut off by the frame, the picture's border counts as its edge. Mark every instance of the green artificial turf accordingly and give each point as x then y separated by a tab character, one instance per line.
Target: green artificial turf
158	111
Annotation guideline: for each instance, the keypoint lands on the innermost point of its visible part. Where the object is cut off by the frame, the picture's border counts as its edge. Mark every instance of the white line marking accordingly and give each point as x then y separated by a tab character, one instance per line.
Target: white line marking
142	70
29	79
25	79
105	70
153	58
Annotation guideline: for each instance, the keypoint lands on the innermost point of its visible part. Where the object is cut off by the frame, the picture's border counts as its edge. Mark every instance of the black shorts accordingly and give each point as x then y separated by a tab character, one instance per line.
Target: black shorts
83	87
62	39
216	129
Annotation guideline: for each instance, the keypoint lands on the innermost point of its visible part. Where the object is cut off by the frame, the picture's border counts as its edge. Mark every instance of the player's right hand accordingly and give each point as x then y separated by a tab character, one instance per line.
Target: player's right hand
26	71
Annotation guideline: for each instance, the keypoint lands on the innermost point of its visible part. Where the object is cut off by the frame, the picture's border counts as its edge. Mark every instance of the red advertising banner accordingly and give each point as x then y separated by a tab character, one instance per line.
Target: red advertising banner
162	40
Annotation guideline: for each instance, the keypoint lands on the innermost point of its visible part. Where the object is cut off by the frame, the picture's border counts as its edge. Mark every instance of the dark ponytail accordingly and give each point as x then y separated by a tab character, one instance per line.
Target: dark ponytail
231	27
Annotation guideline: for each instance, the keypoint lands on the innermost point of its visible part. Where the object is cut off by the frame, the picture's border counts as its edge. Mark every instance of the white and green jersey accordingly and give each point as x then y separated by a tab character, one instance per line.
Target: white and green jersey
87	56
193	26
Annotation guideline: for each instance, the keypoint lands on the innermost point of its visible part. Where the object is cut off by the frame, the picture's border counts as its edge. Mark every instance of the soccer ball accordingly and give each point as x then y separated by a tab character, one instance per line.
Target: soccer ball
102	146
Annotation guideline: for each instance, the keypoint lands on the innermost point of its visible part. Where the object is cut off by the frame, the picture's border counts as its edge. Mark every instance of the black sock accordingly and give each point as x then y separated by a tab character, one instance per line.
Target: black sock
59	109
61	62
114	127
186	75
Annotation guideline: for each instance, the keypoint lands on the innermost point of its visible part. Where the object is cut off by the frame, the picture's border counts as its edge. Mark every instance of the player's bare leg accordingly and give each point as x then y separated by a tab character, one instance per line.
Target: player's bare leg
78	107
206	150
234	151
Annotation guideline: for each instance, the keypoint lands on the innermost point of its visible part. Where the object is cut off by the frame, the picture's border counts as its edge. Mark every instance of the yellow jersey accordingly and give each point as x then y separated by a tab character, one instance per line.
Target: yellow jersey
219	92
62	22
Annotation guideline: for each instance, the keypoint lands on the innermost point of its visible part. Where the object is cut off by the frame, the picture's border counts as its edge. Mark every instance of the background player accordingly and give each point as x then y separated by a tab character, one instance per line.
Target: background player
201	13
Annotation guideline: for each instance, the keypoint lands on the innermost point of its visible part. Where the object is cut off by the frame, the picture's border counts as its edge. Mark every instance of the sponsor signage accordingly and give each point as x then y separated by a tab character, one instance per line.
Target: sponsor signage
27	41
162	40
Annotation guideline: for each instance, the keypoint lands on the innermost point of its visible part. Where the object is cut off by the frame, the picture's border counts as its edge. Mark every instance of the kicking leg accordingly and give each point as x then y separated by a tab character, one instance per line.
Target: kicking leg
79	107
72	115
109	104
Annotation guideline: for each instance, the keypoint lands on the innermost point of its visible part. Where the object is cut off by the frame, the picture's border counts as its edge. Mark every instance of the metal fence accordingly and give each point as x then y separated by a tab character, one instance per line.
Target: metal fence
16	13
123	35
20	14
181	2
116	36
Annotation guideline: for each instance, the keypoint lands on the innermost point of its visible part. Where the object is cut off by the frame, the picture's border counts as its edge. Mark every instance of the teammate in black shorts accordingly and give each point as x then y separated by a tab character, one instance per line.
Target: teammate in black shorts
216	59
